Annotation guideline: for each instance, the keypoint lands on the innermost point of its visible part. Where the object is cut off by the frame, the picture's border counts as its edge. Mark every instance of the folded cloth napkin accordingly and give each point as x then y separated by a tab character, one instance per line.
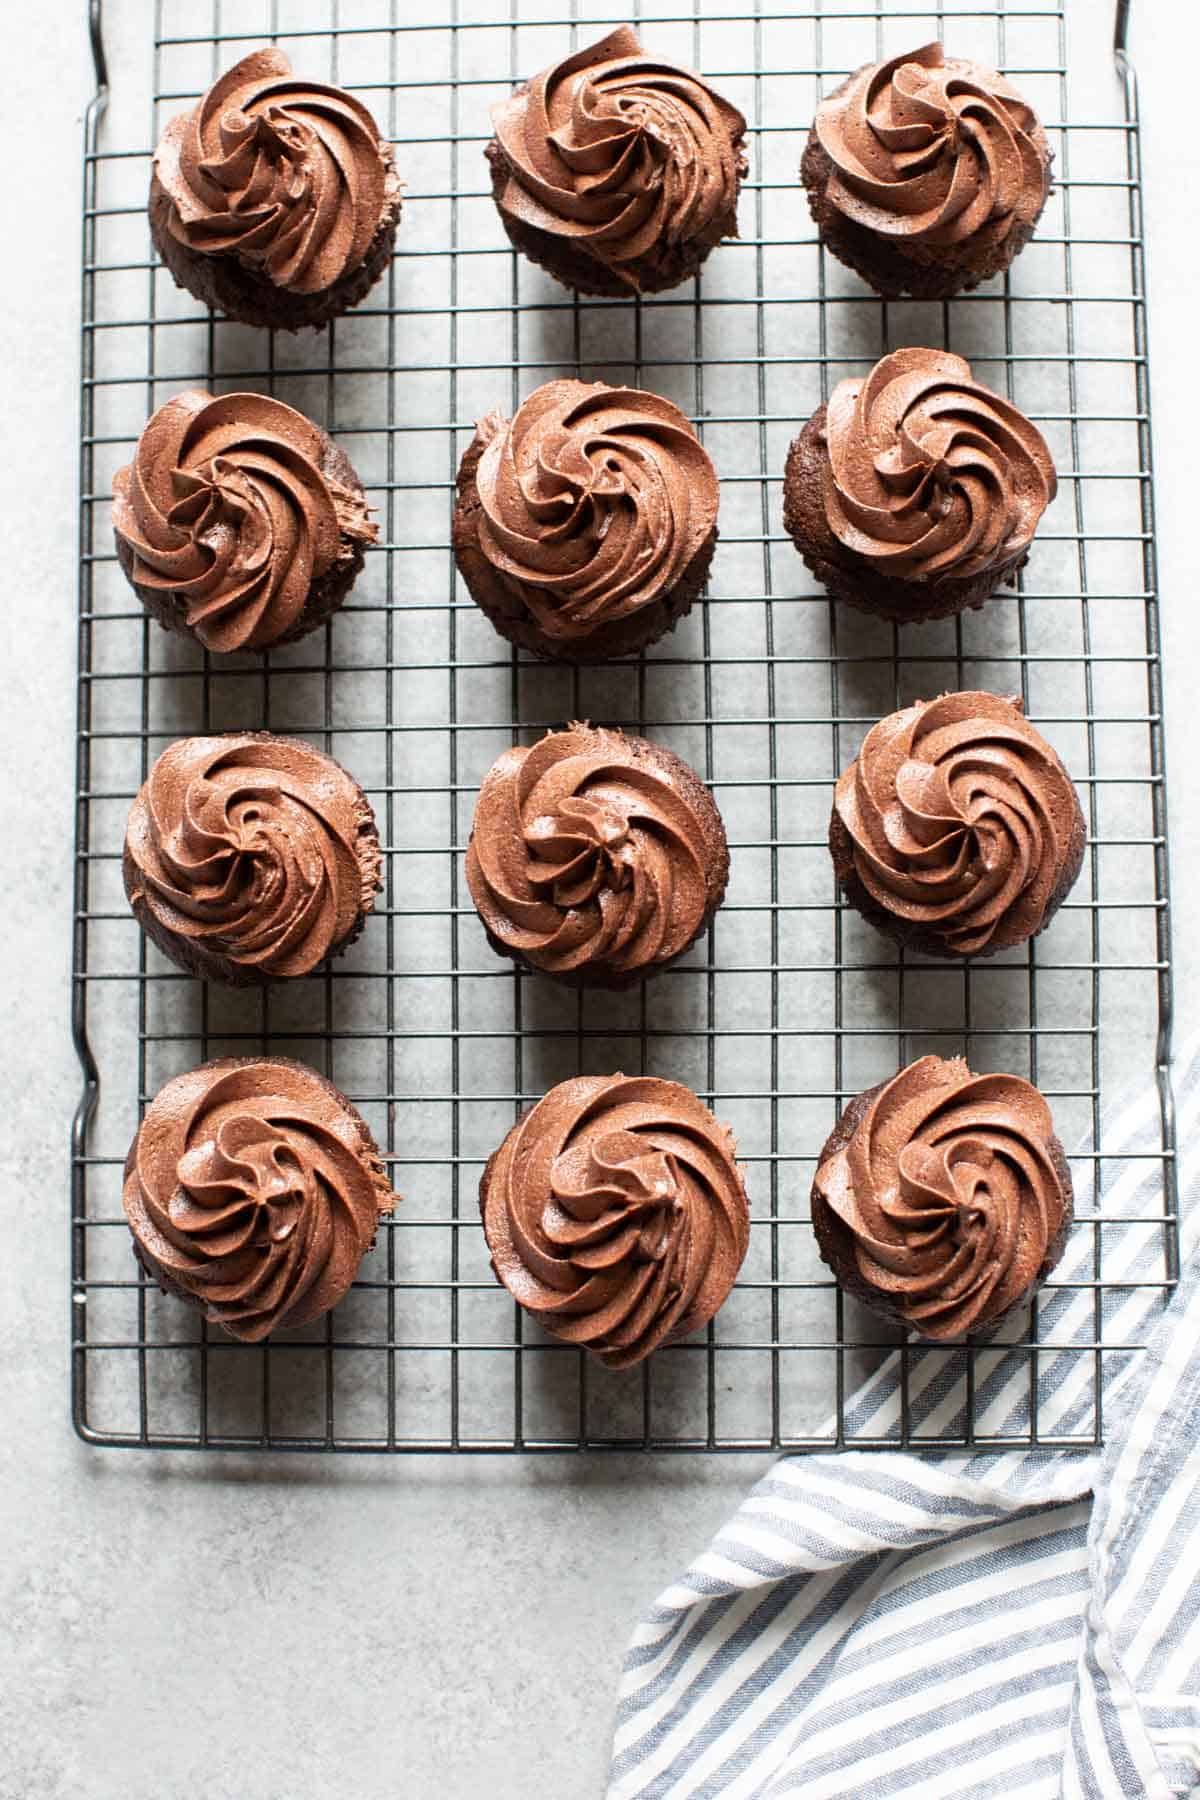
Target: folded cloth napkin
1010	1624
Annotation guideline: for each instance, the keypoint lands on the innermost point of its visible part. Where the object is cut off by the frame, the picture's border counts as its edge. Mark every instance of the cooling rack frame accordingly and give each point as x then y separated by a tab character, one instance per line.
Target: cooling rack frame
163	1379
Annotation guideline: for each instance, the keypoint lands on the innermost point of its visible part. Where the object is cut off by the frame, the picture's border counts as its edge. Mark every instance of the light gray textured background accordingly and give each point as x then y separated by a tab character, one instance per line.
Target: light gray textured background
251	1629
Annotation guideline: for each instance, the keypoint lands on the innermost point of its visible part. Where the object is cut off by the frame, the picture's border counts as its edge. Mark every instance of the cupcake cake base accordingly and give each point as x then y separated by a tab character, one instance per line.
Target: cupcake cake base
236	292
590	938
835	1245
852	579
240	1269
503	605
655	1207
919	938
935	272
326	594
236	923
670	265
935	220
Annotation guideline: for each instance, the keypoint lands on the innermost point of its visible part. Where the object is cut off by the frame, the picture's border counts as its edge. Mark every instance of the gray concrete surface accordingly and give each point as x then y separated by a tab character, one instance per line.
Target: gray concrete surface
247	1630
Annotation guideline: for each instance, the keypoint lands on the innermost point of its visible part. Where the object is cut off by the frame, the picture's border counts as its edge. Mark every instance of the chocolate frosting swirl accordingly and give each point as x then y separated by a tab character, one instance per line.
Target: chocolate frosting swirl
934	150
931	475
962	819
620	156
253	849
951	1192
594	503
254	1189
616	1214
594	852
229	510
287	175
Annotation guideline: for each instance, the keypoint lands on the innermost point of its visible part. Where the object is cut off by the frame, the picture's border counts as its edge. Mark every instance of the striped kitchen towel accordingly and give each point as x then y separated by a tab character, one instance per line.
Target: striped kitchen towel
1011	1624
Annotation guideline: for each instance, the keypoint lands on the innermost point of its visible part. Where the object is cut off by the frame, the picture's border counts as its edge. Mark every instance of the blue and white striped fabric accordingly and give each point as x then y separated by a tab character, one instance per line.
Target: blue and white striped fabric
1011	1624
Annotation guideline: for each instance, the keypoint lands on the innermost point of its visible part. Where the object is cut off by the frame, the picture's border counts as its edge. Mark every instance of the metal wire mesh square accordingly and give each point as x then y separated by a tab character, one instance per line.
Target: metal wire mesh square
791	1004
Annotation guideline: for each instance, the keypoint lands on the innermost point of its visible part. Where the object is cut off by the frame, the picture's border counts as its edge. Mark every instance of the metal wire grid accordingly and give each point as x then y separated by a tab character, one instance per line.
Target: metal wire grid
791	1005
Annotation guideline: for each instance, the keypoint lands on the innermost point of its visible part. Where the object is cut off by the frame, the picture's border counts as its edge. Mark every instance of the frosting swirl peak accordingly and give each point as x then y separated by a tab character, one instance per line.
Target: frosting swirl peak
250	856
289	176
230	512
932	476
254	1189
962	822
949	1194
621	158
616	1214
934	150
595	854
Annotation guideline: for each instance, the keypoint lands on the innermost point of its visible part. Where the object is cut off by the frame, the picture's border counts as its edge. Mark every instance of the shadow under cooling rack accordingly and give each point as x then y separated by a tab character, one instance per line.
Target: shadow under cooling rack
790	1005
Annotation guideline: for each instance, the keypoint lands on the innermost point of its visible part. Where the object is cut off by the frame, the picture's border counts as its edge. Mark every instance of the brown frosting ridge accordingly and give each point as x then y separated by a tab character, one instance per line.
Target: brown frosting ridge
952	1193
931	475
595	852
962	819
934	150
253	849
289	176
616	1214
620	156
594	502
254	1189
229	509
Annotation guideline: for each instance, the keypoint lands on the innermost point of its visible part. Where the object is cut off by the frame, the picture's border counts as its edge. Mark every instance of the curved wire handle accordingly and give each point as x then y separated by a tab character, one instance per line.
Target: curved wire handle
90	1092
1166	1092
99	60
1120	44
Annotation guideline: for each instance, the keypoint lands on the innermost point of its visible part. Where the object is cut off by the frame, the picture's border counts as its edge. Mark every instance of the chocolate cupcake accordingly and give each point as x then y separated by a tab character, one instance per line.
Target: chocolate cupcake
275	201
957	830
586	524
926	174
616	1215
917	491
253	1190
616	172
595	857
250	858
239	523
943	1198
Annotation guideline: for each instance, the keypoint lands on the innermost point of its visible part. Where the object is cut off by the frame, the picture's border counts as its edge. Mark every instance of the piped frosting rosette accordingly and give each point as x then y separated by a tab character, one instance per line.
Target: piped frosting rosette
616	1215
949	1193
253	1189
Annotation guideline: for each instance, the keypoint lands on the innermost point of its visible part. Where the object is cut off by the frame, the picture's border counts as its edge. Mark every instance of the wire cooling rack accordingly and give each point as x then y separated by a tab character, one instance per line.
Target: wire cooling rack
791	1004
